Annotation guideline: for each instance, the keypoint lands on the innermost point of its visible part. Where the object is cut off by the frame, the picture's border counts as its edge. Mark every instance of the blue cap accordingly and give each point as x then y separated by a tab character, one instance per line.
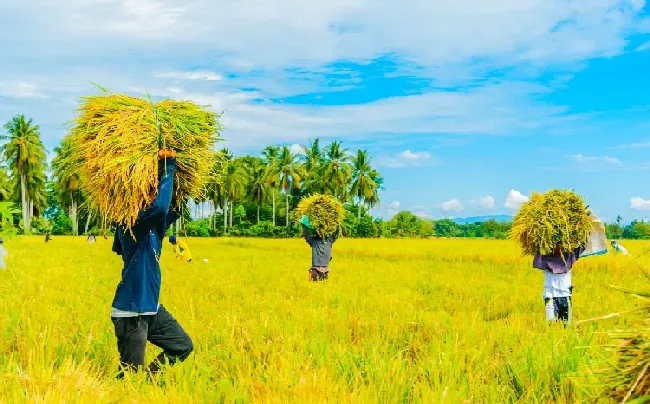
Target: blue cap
172	239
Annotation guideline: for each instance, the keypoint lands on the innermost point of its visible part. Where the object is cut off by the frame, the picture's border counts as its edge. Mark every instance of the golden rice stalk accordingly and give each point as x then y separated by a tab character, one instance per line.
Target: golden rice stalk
325	213
551	223
628	376
116	138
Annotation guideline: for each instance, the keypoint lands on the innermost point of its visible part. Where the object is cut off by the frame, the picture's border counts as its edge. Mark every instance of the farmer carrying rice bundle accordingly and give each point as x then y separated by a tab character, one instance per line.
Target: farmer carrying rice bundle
139	162
557	229
320	217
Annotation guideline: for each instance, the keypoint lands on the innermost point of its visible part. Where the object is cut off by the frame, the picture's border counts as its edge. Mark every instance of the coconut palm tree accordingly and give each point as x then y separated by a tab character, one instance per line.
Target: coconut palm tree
25	154
337	169
290	174
313	165
373	199
363	185
234	180
5	186
66	177
270	156
258	185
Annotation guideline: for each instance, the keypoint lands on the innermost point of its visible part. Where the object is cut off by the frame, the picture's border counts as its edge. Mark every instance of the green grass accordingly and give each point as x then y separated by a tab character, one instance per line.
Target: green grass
399	321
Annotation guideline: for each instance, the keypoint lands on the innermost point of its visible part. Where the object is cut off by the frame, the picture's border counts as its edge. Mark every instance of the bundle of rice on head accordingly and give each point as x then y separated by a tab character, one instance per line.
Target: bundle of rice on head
321	213
115	141
556	222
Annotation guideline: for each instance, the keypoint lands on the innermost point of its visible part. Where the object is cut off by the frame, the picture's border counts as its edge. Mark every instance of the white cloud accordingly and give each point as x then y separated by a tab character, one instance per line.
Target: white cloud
515	199
453	205
20	89
288	33
394	205
280	49
633	145
643	47
582	159
421	211
296	149
190	75
637	203
483	202
611	160
406	158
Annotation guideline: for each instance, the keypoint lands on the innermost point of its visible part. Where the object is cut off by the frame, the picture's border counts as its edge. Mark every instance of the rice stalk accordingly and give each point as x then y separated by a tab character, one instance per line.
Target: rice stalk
325	213
114	143
556	222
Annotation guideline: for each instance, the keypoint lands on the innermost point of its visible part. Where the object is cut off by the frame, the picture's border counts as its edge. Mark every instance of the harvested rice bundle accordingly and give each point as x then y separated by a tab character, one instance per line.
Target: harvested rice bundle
117	137
324	212
556	222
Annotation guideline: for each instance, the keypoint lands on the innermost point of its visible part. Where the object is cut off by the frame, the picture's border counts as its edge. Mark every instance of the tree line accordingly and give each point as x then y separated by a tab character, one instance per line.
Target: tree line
241	192
245	195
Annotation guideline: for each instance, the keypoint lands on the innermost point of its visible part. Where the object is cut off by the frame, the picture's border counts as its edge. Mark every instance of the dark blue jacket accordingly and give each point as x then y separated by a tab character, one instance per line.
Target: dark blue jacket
140	249
321	248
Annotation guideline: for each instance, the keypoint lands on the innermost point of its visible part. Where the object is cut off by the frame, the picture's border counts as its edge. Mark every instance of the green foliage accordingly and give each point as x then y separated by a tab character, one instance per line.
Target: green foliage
40	225
8	216
199	228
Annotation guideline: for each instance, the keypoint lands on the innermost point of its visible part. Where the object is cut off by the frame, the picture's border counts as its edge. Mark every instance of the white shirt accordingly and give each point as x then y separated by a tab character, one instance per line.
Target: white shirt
621	249
3	253
121	313
557	285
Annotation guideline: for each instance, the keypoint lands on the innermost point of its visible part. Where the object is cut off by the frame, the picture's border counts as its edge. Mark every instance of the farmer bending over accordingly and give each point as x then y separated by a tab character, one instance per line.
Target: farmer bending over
136	313
321	251
619	248
557	283
181	249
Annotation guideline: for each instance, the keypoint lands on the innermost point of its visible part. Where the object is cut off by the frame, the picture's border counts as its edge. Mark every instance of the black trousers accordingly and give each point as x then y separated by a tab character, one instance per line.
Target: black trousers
161	329
559	309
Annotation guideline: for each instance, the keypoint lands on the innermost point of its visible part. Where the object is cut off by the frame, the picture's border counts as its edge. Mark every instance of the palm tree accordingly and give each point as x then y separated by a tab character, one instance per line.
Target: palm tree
66	175
363	185
25	154
337	169
313	164
373	199
215	189
234	181
5	186
258	185
270	156
290	174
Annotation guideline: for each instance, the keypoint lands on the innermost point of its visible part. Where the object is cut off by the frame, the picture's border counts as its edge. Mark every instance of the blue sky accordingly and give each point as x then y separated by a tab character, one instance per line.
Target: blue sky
467	106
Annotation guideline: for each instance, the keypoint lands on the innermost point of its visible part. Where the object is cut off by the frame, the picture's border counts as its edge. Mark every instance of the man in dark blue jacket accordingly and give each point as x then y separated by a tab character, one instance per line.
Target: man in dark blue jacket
321	253
136	313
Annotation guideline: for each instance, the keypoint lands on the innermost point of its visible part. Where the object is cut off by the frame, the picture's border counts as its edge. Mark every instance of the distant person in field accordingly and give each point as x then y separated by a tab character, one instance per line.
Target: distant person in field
136	313
91	238
619	248
3	254
181	249
321	253
558	287
47	237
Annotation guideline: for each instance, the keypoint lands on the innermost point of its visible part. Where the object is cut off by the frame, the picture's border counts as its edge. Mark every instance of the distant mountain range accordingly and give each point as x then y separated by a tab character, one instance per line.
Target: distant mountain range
480	219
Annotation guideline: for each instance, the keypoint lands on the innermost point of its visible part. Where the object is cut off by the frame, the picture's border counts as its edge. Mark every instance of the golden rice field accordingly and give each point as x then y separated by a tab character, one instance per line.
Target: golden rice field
400	321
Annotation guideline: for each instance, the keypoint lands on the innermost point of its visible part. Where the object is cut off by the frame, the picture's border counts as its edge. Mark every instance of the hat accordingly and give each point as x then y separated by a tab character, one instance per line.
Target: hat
172	239
304	220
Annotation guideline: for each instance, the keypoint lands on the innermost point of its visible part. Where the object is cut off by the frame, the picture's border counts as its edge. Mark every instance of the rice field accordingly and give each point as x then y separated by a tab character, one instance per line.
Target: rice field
400	321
